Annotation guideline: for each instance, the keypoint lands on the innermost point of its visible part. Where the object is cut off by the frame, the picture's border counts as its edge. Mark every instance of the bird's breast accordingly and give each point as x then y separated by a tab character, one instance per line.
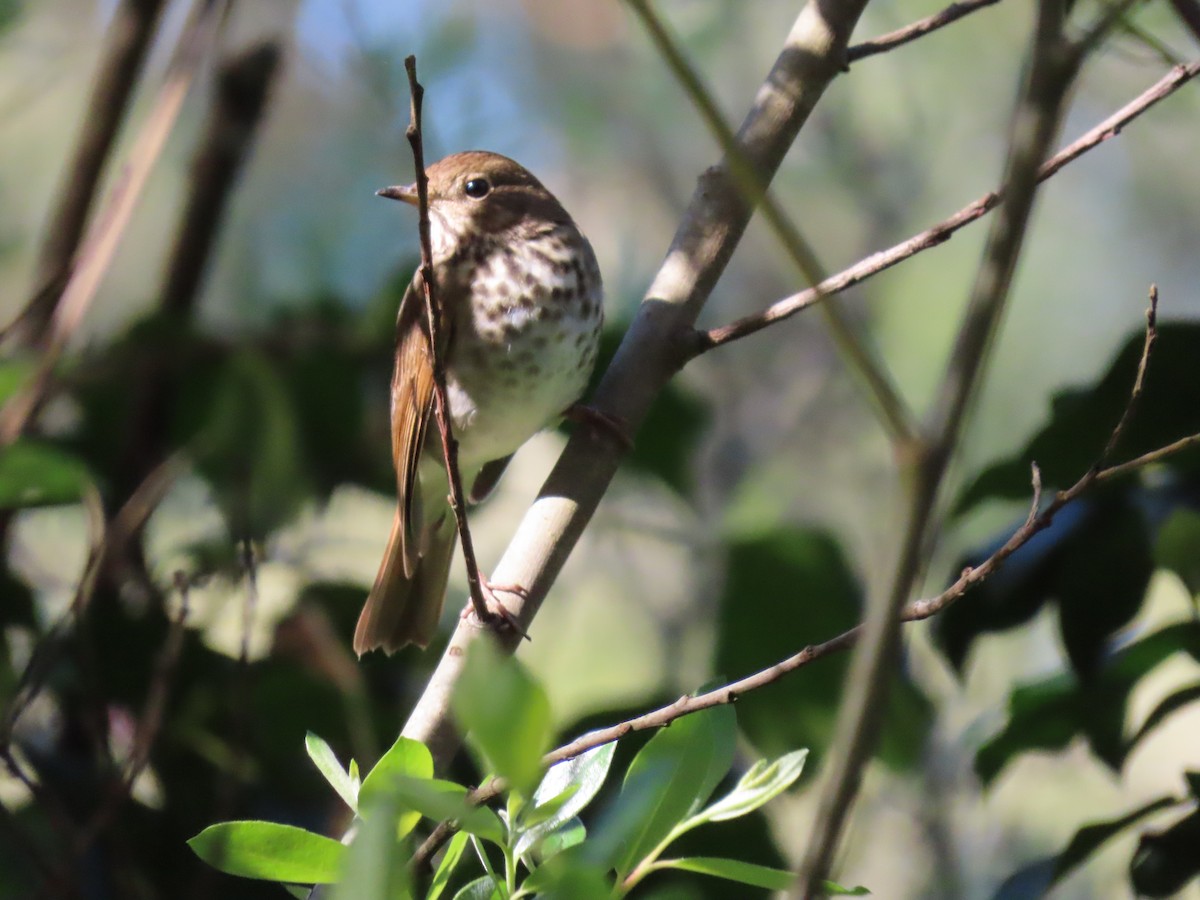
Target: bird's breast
525	340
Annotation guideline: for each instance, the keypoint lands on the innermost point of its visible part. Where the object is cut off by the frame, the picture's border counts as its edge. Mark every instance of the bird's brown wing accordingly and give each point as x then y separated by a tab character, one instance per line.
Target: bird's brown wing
412	405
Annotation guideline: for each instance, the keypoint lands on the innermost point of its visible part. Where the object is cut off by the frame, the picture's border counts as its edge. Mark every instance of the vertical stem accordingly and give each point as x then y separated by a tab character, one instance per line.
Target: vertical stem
1050	73
434	314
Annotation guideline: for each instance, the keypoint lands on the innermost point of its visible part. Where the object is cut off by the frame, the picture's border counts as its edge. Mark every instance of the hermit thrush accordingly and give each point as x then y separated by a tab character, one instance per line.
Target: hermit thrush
520	295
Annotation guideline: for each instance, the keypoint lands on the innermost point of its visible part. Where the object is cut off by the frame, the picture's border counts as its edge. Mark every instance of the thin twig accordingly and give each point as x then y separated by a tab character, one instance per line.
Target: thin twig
920	28
942	232
104	236
862	360
436	349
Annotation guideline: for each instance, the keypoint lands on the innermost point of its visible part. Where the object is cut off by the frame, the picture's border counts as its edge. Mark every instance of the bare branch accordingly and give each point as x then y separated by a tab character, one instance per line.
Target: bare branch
437	349
1036	520
886	42
944	230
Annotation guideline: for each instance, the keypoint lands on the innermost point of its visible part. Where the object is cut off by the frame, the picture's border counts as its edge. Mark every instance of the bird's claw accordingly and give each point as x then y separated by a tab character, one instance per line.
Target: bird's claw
498	615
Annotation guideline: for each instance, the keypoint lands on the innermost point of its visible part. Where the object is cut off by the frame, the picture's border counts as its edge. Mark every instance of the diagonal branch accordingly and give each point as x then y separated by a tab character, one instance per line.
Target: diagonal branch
944	230
106	232
129	39
920	28
861	359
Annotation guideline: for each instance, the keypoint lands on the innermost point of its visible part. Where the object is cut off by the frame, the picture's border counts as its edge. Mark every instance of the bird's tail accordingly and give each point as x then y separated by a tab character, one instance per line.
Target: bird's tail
401	610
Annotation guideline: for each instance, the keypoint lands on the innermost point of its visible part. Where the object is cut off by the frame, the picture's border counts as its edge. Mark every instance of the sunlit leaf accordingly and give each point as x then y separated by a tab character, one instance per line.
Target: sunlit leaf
439	800
326	762
407	758
673	775
506	714
450	858
733	870
482	888
34	473
763	782
267	850
375	868
564	791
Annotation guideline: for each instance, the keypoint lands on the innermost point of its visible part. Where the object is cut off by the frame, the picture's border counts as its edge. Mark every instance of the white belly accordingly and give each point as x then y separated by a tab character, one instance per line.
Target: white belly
515	368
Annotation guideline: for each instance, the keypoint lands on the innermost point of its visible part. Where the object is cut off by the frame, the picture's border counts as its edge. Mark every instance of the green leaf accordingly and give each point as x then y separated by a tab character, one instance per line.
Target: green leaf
1046	715
437	800
454	852
407	758
374	868
506	714
732	870
270	851
1090	838
249	446
1101	574
482	888
762	783
34	473
1081	420
1193	783
833	889
13	372
769	575
1166	861
1178	547
1167	706
675	772
567	876
570	834
564	791
327	764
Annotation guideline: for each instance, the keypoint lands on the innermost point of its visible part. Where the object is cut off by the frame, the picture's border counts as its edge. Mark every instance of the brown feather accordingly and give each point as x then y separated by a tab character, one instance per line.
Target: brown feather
412	406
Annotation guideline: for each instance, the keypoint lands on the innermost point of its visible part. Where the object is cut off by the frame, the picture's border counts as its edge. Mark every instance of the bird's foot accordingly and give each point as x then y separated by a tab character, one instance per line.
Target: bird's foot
498	616
590	417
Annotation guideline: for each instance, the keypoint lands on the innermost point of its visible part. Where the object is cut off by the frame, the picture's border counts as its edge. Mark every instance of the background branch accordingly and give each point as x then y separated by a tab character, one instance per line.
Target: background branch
901	36
1050	73
944	230
105	235
859	357
128	40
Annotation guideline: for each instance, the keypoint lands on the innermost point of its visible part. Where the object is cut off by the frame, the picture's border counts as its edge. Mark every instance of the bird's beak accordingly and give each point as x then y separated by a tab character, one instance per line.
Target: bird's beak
404	193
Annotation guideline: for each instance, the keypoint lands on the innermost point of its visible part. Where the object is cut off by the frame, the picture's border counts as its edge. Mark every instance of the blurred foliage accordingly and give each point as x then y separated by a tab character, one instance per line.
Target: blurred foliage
1093	565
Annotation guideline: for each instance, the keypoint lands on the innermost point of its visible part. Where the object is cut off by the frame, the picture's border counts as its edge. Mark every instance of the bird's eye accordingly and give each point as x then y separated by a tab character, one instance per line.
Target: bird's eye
478	188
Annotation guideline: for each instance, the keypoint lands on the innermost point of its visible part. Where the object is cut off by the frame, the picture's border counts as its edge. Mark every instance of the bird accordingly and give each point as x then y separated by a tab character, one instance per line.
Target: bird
521	299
